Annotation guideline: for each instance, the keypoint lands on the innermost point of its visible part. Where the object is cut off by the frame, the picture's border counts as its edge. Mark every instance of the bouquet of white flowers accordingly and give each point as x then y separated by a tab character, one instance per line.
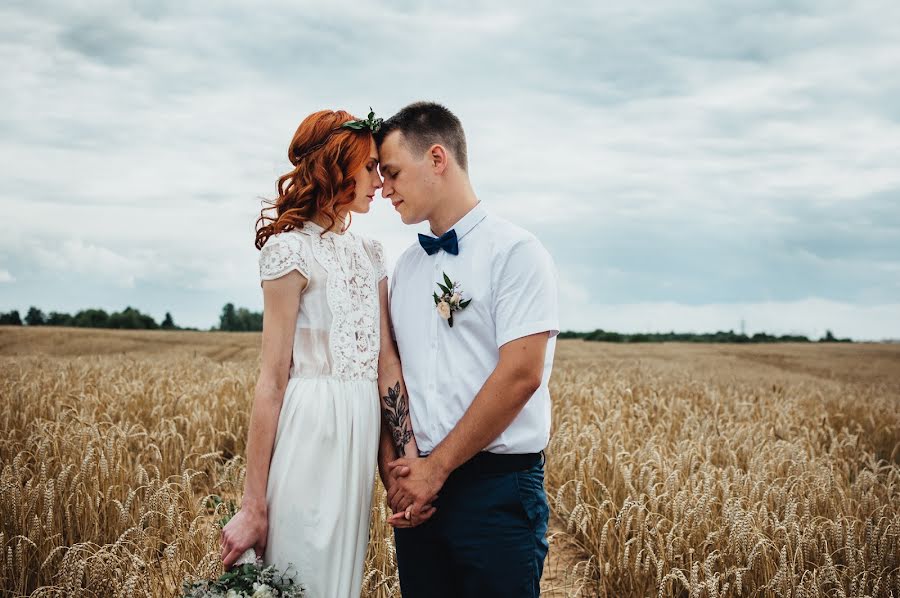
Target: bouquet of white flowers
247	579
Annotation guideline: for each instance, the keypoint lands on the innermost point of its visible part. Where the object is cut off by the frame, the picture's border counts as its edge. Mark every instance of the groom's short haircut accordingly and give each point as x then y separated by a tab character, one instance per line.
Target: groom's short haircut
424	124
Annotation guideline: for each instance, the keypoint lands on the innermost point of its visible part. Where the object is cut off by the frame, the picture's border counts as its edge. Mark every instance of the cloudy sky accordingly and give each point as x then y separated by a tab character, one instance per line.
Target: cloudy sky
688	164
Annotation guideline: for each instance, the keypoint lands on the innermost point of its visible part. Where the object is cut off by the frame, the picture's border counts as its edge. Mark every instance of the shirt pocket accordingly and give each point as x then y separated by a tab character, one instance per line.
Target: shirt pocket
475	287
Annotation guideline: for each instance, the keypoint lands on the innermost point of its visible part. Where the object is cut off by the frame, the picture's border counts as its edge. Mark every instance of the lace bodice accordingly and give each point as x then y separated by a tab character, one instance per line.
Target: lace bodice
337	332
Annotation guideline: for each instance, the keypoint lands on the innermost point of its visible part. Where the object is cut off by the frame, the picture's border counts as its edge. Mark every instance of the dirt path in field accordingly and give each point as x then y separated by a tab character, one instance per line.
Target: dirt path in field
560	579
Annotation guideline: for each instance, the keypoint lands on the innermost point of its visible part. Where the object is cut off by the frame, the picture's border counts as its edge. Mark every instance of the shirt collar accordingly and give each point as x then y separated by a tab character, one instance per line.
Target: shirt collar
465	224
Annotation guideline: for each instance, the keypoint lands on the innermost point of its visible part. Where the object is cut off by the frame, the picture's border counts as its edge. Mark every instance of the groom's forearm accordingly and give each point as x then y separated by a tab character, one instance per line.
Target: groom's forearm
509	387
495	407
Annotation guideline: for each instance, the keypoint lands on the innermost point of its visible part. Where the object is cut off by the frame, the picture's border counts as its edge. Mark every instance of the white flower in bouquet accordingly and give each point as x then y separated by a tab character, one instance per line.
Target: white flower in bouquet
263	591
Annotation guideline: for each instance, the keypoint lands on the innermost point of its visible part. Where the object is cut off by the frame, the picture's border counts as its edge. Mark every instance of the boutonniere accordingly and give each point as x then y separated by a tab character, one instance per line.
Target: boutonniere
450	299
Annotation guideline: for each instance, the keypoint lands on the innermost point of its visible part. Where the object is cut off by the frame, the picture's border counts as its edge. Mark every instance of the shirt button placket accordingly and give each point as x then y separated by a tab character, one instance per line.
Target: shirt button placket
439	258
435	322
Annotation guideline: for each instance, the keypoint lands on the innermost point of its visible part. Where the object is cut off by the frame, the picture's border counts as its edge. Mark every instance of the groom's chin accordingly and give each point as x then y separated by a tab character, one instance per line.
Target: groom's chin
407	218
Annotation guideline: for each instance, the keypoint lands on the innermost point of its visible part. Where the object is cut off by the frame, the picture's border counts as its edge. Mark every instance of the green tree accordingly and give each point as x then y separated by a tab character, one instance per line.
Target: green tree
132	319
11	319
831	338
59	319
228	318
249	321
91	318
168	323
35	317
239	319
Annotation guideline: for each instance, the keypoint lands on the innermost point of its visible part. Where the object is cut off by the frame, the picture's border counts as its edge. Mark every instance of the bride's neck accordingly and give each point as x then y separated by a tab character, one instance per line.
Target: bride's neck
336	227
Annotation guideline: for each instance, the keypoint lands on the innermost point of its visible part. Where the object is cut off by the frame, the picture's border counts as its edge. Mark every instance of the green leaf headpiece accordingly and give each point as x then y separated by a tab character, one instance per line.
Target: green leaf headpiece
371	123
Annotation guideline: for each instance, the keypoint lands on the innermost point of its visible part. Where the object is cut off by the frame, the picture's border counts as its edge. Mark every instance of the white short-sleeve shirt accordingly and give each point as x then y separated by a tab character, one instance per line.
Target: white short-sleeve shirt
511	280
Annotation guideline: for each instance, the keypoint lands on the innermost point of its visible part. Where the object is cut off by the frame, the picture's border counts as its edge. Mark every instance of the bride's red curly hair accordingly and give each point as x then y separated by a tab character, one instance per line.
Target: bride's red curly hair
322	178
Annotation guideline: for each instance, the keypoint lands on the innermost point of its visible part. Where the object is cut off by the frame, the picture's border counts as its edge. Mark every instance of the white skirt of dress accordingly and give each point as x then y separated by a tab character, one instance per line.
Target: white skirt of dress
320	485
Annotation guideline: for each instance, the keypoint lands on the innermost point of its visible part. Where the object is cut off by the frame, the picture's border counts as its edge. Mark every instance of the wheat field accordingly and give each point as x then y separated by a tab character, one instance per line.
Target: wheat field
674	470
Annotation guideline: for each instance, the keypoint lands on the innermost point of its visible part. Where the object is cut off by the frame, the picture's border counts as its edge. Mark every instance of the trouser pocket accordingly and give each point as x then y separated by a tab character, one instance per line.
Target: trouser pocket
533	497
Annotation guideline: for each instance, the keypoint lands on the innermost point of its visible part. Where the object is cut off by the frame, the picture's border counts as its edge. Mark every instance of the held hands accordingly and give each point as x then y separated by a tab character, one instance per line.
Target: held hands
412	488
247	529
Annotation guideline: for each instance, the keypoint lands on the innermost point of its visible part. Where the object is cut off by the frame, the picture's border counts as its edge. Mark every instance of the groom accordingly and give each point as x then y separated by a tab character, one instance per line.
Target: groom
475	317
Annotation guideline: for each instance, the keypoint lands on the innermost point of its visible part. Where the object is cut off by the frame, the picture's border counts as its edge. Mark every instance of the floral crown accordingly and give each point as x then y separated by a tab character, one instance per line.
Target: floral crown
371	123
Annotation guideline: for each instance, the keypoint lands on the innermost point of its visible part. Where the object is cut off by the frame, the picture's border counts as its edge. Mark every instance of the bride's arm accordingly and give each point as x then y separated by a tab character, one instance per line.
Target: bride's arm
249	527
396	421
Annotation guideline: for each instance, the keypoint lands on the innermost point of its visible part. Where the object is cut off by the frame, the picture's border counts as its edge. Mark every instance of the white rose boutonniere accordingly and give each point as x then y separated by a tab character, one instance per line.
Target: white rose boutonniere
450	300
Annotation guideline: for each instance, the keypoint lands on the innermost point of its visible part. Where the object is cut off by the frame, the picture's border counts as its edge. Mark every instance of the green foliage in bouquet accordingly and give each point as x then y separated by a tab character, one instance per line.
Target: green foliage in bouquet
250	580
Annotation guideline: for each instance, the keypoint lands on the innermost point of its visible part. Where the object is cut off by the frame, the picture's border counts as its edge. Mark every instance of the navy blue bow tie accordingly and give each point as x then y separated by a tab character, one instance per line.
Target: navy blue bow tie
447	242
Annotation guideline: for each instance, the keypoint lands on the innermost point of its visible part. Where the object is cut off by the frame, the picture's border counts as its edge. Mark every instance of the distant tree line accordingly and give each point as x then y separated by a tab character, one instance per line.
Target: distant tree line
241	319
129	318
689	337
232	319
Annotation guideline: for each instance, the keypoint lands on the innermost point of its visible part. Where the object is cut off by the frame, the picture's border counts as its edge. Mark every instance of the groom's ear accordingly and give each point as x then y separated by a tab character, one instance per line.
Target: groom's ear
439	158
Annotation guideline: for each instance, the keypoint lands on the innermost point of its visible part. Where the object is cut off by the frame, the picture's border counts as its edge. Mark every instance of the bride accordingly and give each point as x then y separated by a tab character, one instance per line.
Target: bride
327	356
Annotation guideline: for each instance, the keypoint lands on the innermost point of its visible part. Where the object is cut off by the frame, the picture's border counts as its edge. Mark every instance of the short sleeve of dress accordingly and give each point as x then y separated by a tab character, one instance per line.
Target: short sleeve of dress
376	254
281	254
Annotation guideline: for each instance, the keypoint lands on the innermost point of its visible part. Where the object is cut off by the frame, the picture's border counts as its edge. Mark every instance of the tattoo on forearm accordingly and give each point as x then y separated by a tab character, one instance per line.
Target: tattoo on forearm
396	413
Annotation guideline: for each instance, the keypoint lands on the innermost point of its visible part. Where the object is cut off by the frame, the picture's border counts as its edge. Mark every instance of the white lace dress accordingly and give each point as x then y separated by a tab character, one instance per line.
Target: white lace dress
323	464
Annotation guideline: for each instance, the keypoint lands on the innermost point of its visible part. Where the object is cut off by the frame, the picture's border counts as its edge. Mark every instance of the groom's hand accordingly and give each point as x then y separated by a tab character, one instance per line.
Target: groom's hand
414	492
396	499
401	505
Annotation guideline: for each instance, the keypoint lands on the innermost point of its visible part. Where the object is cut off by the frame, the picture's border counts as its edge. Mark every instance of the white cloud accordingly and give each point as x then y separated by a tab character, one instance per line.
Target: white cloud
93	261
5	276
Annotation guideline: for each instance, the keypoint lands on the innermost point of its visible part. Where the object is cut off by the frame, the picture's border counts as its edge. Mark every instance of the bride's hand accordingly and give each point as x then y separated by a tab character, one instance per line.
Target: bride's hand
247	529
